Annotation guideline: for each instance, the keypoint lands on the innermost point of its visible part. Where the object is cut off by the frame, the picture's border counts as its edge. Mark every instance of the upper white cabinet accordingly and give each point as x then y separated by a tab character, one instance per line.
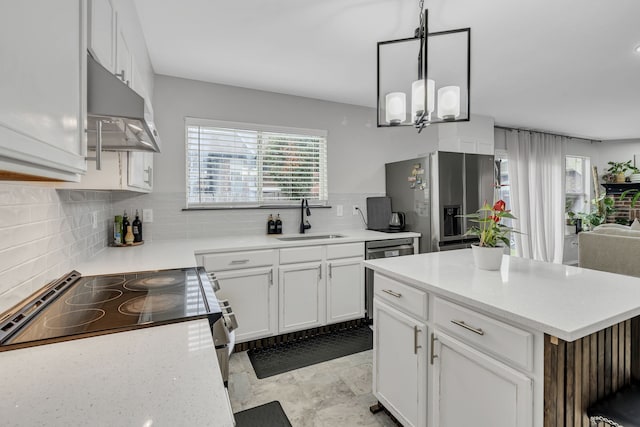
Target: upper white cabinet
140	170
42	98
124	60
101	33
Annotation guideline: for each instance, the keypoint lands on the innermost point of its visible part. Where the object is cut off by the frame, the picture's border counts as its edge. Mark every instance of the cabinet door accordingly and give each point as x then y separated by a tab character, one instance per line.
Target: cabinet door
124	62
42	98
345	290
253	298
471	388
302	296
399	365
140	170
101	33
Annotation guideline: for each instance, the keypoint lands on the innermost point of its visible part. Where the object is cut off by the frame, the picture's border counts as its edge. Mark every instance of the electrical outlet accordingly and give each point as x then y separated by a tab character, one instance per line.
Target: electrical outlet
147	215
355	210
94	220
339	210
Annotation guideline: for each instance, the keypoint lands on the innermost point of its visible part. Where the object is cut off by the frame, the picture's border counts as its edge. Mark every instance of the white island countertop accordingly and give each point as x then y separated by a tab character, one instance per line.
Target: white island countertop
564	301
165	254
159	376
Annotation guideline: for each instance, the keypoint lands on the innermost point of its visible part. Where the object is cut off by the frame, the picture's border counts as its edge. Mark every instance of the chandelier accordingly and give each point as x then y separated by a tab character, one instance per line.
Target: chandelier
439	87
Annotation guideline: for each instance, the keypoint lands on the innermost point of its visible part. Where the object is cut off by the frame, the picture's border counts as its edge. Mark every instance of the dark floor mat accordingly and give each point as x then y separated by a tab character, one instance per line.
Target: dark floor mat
306	352
268	415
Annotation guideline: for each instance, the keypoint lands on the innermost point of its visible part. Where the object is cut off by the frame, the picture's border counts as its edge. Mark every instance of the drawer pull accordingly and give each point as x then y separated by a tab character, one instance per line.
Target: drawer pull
415	339
239	261
470	328
433	350
390	292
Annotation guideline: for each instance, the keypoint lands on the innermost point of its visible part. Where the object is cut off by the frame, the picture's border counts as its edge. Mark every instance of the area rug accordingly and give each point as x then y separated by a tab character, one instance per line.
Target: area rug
305	352
268	415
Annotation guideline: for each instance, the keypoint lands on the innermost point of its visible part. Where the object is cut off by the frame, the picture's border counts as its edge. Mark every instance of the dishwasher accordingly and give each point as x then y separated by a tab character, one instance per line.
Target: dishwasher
382	249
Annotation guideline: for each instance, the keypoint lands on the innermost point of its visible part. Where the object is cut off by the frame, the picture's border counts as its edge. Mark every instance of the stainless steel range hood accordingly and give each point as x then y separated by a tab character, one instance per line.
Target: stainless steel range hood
125	122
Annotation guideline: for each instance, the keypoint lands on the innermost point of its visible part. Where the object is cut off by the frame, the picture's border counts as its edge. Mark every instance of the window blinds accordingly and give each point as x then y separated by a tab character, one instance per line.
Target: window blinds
239	164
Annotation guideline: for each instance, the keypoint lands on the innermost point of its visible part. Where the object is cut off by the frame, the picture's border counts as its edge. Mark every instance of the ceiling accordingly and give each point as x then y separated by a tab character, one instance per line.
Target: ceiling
566	66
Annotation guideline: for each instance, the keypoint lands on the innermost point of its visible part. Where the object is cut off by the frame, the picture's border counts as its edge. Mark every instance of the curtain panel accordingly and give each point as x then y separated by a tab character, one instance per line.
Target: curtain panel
536	173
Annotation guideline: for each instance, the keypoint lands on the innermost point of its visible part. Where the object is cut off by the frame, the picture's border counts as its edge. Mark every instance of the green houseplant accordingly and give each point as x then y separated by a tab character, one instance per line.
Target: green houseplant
618	169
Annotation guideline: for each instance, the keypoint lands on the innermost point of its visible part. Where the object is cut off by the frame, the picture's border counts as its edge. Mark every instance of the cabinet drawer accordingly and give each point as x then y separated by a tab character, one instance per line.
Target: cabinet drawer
302	254
408	299
347	250
236	260
493	336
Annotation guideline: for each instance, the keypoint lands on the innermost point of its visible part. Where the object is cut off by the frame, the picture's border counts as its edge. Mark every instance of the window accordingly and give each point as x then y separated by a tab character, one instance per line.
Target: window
577	188
245	165
502	190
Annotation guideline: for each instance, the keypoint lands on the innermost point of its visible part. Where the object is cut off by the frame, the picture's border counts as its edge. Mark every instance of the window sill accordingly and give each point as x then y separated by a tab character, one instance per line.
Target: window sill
226	208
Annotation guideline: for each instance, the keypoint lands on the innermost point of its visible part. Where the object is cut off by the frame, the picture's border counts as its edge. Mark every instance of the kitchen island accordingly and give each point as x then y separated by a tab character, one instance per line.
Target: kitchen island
532	344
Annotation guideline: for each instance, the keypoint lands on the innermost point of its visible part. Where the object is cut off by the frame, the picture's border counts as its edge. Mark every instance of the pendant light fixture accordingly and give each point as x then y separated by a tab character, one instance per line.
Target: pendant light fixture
449	71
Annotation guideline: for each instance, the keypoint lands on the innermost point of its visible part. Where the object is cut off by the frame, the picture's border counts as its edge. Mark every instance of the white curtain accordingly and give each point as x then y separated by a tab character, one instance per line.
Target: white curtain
536	175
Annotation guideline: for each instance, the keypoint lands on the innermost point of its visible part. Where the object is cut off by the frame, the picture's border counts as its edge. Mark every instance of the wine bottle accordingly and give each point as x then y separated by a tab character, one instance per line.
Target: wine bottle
137	228
125	225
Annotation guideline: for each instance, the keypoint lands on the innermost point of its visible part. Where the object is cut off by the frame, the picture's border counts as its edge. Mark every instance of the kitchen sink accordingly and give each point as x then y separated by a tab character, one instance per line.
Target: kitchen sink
311	237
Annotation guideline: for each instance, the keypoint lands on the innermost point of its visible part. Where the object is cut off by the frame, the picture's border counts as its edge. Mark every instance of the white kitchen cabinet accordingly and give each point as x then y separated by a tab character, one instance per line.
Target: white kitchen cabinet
42	100
345	290
124	60
400	364
140	170
101	31
472	388
253	298
302	297
130	171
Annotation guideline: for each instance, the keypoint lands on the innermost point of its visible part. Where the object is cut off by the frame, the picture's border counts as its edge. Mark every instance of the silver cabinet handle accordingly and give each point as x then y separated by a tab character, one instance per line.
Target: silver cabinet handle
390	292
470	328
433	352
239	261
270	277
330	270
416	331
149	171
120	75
98	156
319	272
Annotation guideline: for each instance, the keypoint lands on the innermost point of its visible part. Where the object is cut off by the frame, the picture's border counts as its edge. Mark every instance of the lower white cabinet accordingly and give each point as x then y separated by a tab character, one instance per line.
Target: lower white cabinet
400	364
301	296
345	290
254	299
471	388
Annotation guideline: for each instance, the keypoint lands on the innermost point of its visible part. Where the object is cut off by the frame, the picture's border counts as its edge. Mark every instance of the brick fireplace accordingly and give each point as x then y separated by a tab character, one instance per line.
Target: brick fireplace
624	211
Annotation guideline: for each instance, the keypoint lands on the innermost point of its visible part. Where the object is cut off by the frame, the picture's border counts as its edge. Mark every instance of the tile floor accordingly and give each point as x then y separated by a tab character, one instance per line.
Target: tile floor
328	394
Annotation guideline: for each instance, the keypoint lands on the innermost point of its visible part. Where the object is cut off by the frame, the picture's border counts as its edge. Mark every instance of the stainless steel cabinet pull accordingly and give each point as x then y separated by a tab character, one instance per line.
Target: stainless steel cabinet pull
270	277
415	339
98	157
239	261
433	353
390	292
319	272
470	328
120	75
330	271
149	171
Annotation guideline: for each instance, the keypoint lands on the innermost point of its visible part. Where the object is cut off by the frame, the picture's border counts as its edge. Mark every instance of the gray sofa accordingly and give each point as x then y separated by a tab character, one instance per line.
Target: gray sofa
611	247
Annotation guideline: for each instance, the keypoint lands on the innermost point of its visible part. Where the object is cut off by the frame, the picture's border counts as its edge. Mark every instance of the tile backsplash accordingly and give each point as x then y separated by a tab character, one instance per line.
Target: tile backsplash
45	233
171	222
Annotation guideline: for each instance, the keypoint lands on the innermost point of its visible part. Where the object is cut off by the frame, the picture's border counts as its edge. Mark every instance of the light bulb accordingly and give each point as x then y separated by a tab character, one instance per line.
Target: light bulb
449	102
396	112
417	98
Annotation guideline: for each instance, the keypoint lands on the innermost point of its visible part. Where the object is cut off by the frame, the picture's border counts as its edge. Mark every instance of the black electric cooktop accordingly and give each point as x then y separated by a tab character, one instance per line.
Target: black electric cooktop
77	307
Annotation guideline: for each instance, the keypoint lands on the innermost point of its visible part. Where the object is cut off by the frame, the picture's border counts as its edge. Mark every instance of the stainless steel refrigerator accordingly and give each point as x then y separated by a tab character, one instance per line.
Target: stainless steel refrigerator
434	191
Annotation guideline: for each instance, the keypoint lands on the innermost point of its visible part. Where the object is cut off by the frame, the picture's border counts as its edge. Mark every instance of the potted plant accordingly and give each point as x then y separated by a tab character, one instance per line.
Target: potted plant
493	235
618	169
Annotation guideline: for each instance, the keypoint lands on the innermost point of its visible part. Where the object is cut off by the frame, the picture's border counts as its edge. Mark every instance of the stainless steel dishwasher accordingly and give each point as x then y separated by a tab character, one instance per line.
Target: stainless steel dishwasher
382	249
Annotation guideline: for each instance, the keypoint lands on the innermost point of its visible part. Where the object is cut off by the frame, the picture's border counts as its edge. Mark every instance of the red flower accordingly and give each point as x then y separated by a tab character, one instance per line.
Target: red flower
499	206
495	218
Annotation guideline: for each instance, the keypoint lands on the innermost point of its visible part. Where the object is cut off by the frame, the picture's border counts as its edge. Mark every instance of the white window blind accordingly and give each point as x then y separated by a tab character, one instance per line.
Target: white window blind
241	164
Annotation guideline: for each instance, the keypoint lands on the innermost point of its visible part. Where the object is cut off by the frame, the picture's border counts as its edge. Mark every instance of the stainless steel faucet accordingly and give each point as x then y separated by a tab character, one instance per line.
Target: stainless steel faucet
304	225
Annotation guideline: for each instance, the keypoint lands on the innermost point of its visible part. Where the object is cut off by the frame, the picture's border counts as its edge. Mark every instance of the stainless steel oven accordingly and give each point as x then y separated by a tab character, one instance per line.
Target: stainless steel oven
382	249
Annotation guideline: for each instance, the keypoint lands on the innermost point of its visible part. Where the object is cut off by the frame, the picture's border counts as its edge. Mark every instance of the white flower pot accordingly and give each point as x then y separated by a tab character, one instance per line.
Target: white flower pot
487	258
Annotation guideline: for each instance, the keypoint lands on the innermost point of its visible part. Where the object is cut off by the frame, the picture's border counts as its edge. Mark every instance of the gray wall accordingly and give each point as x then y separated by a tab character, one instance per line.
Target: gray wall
357	152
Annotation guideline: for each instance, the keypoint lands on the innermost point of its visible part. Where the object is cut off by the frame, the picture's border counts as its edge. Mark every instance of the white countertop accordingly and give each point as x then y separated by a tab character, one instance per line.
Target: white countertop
158	376
165	254
565	301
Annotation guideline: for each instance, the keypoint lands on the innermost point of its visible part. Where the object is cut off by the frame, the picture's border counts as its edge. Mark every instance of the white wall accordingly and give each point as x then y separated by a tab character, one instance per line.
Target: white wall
44	234
357	152
619	150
